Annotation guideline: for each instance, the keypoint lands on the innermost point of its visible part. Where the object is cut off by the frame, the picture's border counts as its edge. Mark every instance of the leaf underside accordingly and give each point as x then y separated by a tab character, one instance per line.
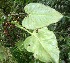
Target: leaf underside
39	16
44	46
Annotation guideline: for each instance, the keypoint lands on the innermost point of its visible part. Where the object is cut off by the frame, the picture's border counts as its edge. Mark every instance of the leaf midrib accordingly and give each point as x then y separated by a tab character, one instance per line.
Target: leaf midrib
42	46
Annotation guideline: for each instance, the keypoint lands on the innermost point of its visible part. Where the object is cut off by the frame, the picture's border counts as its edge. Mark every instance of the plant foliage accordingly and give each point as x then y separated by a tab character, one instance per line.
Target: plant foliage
39	16
13	38
43	44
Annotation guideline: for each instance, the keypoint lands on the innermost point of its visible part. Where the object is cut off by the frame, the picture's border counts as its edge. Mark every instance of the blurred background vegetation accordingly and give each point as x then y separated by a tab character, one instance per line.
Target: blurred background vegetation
13	10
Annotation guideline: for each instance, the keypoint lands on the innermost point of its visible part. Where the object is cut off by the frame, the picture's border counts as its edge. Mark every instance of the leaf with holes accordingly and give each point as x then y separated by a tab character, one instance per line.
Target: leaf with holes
39	16
44	45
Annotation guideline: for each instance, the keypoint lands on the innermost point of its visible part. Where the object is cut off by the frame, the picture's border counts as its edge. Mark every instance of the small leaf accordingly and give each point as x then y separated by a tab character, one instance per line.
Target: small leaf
39	16
2	53
44	46
20	45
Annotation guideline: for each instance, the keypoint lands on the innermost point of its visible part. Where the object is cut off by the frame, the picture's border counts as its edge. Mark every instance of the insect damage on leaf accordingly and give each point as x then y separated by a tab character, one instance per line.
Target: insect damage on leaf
44	45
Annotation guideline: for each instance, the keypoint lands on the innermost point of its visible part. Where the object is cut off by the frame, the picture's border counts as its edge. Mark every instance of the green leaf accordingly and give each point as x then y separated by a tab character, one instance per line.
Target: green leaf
2	53
39	16
19	45
44	45
69	56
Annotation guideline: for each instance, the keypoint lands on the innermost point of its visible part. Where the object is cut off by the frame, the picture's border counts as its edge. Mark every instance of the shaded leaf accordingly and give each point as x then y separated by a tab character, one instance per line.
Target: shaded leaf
2	53
20	45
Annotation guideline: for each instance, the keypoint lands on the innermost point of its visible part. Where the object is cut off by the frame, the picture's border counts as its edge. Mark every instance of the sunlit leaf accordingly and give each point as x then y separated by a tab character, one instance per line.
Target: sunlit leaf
44	46
39	16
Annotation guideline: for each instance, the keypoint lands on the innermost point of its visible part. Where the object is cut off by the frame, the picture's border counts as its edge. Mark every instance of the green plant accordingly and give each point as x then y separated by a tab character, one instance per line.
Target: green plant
42	42
11	10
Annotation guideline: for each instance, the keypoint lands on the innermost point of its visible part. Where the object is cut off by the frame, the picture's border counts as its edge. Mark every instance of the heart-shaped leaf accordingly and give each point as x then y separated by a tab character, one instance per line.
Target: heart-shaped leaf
39	16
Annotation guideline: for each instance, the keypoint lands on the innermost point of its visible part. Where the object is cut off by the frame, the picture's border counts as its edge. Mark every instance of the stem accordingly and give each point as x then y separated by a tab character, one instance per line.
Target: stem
67	16
19	26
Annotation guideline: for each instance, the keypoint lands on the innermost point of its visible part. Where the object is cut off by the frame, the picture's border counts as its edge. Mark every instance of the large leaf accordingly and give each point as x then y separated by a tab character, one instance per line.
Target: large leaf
44	46
39	16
